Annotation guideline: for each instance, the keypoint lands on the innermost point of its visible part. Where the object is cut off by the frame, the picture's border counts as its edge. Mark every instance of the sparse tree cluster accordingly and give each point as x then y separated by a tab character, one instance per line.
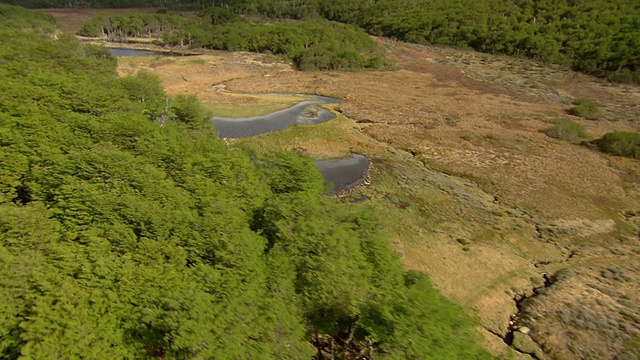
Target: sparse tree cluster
138	25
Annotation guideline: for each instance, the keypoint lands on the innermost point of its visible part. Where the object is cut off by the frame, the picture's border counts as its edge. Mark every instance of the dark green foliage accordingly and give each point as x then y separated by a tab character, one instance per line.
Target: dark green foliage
599	37
568	130
623	143
13	17
625	76
311	45
219	16
419	308
128	230
134	25
187	109
585	108
286	172
145	89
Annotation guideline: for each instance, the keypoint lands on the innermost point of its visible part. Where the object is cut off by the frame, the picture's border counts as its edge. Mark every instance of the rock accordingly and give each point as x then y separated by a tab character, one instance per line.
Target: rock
524	329
522	342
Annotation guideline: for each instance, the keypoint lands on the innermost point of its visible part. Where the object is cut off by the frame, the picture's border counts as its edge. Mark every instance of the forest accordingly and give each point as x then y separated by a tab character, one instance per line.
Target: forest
599	37
129	230
310	45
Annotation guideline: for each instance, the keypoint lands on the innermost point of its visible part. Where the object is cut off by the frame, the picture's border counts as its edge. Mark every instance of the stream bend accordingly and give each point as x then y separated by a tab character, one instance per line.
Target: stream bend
302	113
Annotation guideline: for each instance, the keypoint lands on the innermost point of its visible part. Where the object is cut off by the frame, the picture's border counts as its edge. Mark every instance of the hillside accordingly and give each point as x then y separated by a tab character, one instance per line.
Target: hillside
489	174
129	230
538	235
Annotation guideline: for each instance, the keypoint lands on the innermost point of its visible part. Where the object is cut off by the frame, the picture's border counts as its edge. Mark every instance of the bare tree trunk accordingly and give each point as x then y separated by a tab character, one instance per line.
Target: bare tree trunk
320	357
333	348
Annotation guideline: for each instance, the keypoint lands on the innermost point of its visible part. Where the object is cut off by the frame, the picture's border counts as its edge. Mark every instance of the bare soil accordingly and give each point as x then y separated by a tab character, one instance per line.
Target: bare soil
470	188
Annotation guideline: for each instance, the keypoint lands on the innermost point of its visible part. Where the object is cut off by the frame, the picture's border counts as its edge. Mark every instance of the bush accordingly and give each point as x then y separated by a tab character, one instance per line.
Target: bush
623	143
146	89
219	16
187	108
623	76
568	130
585	108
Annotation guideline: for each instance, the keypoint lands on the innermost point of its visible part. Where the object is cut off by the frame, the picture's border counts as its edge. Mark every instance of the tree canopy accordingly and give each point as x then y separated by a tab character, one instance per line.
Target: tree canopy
128	230
600	37
310	45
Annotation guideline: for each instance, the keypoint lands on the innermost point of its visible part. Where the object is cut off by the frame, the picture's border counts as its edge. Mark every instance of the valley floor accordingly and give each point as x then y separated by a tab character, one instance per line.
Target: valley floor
471	189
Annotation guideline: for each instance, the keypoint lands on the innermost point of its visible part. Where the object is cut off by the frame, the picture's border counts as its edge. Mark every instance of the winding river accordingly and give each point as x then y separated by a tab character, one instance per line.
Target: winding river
340	174
302	113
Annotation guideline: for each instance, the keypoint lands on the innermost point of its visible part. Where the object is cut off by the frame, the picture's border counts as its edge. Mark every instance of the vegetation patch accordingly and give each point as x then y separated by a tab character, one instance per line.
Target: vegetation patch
596	37
568	130
585	108
127	223
622	143
310	45
562	32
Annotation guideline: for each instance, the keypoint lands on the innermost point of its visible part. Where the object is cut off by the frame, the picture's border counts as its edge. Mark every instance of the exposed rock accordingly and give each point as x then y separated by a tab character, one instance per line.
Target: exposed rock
524	330
522	342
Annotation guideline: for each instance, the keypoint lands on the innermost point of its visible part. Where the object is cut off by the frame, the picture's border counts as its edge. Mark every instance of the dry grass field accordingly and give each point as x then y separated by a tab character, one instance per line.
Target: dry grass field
469	187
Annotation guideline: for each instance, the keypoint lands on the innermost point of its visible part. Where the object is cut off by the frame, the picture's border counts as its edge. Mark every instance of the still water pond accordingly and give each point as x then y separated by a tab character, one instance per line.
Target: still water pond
344	173
132	52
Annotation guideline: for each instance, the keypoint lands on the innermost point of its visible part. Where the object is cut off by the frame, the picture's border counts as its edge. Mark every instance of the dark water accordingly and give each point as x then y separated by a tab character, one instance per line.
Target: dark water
299	114
344	173
132	52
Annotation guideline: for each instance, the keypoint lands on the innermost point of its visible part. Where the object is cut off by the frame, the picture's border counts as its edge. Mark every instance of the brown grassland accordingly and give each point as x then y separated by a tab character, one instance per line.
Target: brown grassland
469	187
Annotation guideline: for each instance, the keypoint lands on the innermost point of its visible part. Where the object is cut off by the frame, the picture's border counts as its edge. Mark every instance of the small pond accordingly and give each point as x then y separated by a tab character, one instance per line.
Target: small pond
344	173
301	113
133	52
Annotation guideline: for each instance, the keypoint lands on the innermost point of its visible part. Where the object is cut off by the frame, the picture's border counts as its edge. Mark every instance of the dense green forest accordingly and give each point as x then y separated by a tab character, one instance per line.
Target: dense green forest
128	230
600	37
310	45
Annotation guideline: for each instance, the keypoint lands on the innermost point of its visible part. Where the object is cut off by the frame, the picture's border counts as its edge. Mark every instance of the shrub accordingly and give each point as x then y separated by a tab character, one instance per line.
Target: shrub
145	88
219	16
623	143
568	130
187	108
624	76
585	108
